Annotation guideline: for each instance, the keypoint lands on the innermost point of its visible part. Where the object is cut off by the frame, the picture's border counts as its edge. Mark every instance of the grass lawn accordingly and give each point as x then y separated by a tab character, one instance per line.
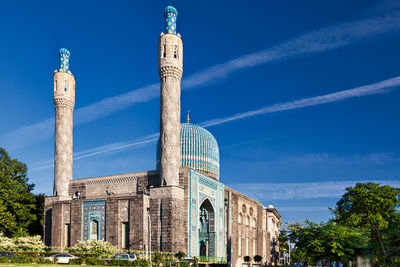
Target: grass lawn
35	264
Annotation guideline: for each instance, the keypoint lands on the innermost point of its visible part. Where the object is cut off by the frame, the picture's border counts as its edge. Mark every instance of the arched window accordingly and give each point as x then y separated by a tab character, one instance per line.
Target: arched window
176	52
247	220
165	50
254	222
65	86
94	231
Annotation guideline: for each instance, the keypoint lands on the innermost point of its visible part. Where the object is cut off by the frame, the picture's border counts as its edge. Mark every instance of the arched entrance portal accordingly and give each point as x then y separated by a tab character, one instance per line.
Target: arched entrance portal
207	229
94	230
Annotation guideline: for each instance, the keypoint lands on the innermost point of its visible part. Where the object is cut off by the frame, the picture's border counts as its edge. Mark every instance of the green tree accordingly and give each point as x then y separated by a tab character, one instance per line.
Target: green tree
283	239
326	241
372	207
180	255
195	261
17	203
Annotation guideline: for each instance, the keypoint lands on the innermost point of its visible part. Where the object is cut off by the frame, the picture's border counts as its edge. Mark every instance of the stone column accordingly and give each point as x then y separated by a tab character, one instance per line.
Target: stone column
170	71
64	101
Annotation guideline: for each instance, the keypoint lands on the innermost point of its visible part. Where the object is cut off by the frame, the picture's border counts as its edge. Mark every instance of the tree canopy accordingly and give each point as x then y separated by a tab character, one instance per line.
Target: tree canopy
20	210
325	241
366	219
375	208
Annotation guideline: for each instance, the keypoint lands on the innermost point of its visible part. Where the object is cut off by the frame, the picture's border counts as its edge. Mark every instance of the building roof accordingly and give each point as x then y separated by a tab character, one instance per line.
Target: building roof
199	150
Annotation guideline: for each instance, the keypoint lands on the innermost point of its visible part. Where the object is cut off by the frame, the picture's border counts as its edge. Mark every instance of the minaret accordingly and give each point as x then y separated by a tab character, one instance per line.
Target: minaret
170	71
64	101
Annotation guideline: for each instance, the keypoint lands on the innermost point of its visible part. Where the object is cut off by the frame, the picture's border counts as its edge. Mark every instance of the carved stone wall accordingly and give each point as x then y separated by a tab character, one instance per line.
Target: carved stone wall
64	100
170	71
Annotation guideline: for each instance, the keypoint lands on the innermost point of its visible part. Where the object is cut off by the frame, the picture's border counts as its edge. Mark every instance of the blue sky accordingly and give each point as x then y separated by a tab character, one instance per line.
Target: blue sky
302	96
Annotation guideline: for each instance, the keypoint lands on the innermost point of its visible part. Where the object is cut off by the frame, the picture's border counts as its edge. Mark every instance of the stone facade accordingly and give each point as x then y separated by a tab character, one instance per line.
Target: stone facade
247	233
64	100
181	206
170	70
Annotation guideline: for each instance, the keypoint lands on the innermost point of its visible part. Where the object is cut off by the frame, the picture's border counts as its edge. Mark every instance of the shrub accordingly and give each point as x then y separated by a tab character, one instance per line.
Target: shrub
142	263
247	258
257	258
30	242
43	261
180	255
21	258
120	263
184	264
94	261
77	261
6	242
95	245
4	259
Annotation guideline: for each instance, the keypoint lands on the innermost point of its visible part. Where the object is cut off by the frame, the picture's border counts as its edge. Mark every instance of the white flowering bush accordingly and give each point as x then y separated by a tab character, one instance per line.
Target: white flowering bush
6	242
95	245
29	242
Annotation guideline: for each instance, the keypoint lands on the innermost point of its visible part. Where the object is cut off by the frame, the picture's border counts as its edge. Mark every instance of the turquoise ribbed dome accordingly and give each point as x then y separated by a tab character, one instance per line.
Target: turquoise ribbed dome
199	150
170	9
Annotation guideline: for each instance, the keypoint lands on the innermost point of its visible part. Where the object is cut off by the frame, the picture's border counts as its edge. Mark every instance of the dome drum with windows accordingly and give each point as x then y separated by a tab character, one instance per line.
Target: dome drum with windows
199	150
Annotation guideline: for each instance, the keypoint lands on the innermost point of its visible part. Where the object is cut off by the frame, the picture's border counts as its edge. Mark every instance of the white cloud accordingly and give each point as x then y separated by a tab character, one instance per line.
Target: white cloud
104	149
302	208
375	88
265	192
321	40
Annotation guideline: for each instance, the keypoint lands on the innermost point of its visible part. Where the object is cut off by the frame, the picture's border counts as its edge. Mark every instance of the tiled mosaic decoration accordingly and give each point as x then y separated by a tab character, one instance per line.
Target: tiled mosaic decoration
170	14
64	59
93	211
204	188
199	150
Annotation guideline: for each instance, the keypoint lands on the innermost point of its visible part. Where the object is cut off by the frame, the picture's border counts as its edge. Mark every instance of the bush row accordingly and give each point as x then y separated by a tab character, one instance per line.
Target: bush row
87	260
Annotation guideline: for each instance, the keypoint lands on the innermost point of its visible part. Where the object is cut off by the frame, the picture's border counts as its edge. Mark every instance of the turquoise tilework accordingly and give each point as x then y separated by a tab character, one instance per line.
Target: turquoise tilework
199	150
202	187
64	59
170	14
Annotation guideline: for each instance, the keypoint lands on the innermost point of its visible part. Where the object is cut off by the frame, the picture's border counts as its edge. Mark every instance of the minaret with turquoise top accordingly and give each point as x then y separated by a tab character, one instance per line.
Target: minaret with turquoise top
170	70
64	101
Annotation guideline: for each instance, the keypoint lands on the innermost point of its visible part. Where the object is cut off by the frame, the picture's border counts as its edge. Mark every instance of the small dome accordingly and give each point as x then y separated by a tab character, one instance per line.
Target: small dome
64	51
170	9
199	150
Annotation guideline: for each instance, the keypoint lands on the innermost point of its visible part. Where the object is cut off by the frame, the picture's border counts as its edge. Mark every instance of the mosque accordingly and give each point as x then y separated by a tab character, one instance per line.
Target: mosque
180	206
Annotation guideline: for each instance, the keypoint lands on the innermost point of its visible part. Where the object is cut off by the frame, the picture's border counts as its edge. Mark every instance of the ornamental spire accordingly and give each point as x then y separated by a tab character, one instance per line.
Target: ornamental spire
64	59
170	14
188	118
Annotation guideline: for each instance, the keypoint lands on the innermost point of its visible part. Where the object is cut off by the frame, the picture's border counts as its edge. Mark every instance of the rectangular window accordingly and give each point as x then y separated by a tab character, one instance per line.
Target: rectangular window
67	235
176	52
165	50
239	246
125	235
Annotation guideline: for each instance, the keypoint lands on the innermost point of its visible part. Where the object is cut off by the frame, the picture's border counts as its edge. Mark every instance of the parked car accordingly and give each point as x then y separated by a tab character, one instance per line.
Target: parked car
61	258
123	256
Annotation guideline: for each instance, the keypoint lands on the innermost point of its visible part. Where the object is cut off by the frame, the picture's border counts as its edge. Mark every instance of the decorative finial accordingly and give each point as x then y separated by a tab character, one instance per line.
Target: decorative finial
170	14
64	59
188	118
